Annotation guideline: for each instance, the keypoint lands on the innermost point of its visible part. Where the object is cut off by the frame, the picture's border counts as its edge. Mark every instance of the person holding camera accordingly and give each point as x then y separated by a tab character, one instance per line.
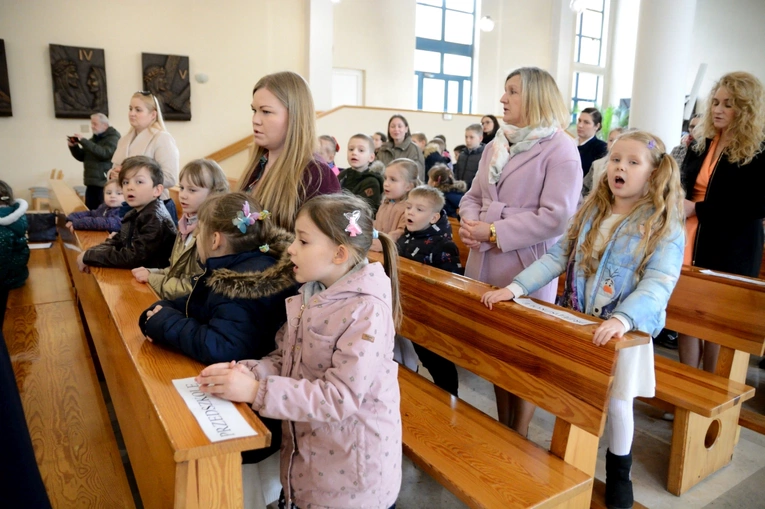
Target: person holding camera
96	154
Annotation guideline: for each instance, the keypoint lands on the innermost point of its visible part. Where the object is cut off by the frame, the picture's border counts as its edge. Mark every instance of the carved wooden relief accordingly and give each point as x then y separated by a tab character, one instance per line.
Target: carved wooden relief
79	81
167	77
5	88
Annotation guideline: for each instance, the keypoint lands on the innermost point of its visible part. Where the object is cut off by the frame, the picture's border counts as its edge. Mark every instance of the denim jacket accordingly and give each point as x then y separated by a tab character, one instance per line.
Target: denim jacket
641	302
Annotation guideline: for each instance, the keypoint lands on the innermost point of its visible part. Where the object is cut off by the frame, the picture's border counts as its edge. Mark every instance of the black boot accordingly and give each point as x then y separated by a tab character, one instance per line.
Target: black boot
618	483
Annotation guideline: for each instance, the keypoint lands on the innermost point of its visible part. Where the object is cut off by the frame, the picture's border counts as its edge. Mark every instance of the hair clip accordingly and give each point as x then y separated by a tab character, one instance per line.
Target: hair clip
244	219
353	226
264	248
5	198
652	144
375	233
264	214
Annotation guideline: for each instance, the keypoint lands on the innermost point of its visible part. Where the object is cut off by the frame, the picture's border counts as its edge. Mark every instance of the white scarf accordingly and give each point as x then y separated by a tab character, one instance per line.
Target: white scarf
522	139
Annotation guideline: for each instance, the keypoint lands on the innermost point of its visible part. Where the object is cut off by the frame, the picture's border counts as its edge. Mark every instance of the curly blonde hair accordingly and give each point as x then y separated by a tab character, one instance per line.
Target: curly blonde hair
747	130
658	211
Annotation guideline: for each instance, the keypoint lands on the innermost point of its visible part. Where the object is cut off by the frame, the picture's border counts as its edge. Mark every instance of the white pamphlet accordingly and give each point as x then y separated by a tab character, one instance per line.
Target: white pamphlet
557	313
40	245
732	276
218	418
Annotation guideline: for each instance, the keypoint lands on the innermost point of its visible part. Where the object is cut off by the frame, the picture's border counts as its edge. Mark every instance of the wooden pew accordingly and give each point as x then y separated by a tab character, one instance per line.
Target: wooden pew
707	406
540	358
729	313
463	249
175	464
75	447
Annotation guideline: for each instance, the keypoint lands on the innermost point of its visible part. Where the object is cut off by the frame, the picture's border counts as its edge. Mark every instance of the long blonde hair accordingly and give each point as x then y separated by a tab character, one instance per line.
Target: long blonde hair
152	104
747	130
658	211
282	190
543	104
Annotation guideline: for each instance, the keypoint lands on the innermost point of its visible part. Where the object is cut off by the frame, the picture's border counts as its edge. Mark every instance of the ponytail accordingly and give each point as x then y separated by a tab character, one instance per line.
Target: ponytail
390	263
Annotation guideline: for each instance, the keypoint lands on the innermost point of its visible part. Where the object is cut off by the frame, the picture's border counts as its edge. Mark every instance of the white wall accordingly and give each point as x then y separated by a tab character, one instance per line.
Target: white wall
235	43
728	36
522	36
378	38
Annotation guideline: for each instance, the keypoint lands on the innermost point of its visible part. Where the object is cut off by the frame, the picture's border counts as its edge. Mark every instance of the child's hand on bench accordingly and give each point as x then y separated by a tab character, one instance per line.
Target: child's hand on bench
141	274
492	297
81	266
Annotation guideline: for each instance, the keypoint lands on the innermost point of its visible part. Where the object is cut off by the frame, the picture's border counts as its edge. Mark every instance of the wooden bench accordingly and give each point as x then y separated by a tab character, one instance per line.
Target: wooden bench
75	447
463	249
540	358
175	464
729	313
707	406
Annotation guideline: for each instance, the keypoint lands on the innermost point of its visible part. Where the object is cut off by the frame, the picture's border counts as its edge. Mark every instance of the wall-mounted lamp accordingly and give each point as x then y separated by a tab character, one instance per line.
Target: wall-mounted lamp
486	24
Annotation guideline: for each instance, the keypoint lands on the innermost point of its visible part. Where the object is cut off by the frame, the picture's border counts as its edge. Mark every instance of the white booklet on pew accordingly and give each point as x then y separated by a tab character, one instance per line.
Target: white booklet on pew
557	313
40	245
218	418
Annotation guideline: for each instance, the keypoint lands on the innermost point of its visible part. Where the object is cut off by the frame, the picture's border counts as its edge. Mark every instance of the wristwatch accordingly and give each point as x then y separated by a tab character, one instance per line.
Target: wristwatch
492	233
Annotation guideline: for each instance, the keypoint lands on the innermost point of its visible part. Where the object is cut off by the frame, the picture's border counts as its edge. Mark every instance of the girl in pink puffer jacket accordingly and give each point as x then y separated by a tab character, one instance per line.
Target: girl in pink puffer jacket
332	379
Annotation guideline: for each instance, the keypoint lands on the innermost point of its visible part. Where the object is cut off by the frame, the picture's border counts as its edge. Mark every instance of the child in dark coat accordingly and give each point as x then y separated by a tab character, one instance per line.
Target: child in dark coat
442	178
147	234
466	166
106	217
428	239
14	252
359	179
237	304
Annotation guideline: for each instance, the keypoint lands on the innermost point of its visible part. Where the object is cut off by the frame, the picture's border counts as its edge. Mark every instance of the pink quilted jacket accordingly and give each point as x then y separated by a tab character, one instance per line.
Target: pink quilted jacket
334	383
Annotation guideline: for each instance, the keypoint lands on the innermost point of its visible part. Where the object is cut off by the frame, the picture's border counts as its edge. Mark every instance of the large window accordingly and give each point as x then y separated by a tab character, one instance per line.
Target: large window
589	55
443	58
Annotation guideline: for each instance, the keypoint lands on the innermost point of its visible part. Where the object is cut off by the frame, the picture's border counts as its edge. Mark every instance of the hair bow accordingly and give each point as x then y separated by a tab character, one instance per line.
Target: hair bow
264	248
353	223
651	144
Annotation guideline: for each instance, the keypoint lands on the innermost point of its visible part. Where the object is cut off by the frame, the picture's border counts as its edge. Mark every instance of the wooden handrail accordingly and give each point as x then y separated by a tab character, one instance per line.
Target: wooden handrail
231	150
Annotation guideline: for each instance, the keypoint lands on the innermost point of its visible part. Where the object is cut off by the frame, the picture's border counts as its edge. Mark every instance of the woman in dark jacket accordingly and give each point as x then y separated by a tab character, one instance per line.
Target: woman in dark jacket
490	126
591	148
724	178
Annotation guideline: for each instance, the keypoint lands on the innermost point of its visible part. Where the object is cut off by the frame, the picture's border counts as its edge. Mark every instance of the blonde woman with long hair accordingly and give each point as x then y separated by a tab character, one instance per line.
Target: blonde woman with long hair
522	197
724	180
285	170
148	137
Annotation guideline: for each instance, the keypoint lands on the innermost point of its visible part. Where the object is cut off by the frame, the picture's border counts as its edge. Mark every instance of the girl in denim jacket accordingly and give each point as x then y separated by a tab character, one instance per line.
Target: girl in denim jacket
622	256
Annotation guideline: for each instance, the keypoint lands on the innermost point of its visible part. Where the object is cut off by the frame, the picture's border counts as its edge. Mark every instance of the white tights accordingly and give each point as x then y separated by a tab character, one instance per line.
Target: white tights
621	426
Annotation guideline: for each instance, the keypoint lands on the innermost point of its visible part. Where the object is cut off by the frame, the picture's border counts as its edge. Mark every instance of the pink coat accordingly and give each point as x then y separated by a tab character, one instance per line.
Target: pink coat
530	207
334	383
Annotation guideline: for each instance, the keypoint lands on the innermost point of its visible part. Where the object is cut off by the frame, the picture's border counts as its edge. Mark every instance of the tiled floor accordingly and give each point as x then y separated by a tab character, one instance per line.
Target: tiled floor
741	485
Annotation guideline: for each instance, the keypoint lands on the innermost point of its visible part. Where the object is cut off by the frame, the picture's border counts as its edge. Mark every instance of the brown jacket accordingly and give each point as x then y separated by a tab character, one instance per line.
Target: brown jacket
145	240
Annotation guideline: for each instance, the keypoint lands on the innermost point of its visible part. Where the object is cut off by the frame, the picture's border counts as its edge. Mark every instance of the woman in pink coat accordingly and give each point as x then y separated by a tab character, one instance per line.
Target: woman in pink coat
524	193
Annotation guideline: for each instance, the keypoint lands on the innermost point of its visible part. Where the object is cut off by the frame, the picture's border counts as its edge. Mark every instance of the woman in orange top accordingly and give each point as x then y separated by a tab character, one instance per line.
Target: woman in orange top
724	179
